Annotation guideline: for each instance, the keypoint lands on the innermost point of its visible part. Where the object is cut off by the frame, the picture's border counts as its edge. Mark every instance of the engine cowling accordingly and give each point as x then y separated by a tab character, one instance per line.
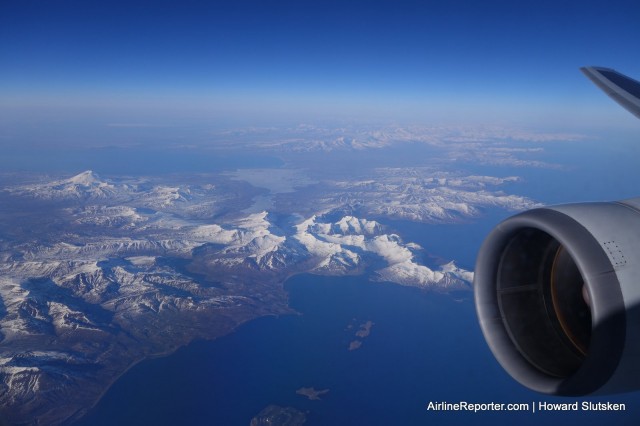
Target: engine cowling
557	293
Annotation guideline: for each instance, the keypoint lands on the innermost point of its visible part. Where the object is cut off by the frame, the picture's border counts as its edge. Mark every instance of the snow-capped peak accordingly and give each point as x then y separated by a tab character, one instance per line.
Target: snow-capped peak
86	178
353	225
86	185
255	221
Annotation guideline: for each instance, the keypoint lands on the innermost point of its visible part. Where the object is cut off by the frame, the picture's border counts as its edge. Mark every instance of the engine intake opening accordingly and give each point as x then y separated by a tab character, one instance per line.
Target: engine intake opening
544	302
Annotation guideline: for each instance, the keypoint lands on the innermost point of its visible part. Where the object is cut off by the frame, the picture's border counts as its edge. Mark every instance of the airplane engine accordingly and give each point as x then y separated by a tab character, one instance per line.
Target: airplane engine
557	293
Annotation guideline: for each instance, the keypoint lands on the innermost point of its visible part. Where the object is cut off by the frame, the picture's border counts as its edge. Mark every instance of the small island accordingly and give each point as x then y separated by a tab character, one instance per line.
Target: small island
274	415
355	344
364	330
312	393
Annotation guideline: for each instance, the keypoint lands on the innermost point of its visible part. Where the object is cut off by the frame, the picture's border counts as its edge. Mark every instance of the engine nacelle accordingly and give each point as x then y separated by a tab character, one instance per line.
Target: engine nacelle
557	292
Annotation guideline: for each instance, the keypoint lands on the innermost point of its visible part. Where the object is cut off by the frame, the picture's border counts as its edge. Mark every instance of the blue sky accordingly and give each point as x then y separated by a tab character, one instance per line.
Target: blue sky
141	61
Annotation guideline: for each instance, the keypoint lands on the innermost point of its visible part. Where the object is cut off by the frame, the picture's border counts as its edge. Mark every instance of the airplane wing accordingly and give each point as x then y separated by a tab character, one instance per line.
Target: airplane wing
622	89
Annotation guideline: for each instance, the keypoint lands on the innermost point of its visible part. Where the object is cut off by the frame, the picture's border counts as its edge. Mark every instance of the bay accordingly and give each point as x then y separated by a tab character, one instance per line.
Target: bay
422	347
229	380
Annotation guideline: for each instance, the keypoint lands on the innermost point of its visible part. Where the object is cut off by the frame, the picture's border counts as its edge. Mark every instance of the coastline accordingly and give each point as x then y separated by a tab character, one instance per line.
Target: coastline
78	415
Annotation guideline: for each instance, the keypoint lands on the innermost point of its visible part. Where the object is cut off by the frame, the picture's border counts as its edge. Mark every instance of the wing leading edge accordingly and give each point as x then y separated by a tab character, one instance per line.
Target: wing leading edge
622	89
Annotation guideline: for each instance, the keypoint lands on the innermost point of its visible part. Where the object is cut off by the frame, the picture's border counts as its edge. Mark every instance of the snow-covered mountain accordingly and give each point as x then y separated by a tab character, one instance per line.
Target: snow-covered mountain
411	193
86	185
484	144
127	270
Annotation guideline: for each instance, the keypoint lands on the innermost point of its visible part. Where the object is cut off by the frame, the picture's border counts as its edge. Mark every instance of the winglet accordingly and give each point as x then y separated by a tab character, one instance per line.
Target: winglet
622	89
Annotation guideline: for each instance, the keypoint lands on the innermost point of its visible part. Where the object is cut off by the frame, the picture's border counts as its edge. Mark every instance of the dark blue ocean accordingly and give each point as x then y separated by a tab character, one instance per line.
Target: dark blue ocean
422	347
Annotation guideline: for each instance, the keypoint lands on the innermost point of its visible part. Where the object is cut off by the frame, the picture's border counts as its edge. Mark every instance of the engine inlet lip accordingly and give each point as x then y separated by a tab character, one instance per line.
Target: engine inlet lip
607	304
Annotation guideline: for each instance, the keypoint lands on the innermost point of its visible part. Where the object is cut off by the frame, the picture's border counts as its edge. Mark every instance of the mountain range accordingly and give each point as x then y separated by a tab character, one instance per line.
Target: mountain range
129	268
